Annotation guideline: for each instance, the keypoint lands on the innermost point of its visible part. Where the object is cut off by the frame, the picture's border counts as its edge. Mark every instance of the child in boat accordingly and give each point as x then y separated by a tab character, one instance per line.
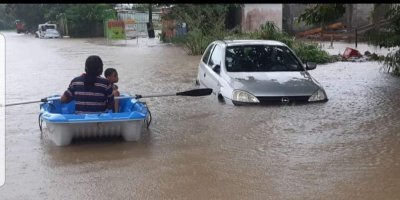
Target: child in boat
111	75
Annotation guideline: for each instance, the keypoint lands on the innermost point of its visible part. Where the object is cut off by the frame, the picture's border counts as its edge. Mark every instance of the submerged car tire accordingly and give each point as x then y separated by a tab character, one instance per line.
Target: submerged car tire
223	100
220	98
235	103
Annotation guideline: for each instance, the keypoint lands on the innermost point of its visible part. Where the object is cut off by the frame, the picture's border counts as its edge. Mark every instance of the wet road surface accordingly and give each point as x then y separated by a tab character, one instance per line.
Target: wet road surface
197	148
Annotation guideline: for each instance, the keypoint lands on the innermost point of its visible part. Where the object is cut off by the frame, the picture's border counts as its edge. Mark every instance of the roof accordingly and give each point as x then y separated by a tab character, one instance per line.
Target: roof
252	42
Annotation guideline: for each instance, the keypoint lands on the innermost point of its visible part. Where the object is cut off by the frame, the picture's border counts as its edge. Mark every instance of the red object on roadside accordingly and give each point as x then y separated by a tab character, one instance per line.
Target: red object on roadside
349	52
20	26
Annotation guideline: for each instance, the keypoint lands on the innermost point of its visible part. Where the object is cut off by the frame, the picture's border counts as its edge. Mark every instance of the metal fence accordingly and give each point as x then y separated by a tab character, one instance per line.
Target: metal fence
141	19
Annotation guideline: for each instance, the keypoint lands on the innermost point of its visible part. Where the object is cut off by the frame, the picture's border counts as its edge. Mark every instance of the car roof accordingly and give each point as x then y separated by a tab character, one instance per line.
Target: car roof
251	42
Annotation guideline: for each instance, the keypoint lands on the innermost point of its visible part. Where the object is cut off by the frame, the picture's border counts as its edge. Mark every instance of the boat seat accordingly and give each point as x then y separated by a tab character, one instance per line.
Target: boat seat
68	108
125	105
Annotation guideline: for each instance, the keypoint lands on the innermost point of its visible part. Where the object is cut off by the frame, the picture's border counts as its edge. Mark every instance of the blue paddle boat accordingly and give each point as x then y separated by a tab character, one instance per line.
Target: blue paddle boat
63	124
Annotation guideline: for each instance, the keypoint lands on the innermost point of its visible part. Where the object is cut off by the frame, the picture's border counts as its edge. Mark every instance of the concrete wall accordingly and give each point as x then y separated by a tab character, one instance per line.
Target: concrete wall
356	15
361	15
254	15
291	12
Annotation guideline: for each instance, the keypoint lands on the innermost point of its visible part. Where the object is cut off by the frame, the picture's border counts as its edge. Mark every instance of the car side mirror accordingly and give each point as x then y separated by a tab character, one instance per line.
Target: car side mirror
216	68
311	65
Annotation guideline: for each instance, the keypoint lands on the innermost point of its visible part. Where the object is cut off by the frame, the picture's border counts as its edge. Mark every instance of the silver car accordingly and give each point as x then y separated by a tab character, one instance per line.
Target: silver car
49	33
257	71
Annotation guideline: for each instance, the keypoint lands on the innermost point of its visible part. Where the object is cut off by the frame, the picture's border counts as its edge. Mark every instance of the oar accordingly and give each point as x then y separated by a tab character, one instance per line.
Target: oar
192	93
38	101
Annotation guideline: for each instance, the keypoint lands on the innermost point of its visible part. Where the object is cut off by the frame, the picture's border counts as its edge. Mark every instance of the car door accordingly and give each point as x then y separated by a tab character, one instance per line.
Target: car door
210	77
203	66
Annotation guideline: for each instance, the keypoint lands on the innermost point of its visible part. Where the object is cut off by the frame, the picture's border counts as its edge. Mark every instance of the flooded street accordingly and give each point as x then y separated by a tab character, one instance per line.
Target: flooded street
197	148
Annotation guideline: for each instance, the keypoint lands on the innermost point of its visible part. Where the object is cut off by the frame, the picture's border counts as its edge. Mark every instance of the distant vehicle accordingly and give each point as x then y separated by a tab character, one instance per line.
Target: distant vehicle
20	26
47	31
257	71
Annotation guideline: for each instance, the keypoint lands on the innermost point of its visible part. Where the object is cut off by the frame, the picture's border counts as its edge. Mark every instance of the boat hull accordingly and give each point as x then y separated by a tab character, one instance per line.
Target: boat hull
62	133
63	125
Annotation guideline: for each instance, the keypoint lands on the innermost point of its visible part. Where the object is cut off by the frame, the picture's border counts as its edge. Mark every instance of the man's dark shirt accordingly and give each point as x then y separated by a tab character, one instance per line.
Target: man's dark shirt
97	98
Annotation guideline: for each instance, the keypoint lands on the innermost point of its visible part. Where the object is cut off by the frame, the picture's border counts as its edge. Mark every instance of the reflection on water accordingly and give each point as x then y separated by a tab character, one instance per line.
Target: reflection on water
197	148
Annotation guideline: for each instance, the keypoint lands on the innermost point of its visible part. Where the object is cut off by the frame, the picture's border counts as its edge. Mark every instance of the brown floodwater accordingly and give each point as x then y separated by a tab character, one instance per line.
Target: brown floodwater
196	147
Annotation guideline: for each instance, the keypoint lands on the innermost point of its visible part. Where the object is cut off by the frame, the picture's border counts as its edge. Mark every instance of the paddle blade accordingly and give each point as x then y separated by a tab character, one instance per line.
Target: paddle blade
196	92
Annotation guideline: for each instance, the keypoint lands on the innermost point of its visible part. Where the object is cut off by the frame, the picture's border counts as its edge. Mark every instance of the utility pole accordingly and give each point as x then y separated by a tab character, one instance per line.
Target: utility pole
66	26
356	24
150	27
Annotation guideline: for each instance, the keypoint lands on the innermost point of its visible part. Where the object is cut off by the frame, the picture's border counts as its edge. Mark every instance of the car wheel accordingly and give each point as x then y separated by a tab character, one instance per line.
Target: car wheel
221	98
224	100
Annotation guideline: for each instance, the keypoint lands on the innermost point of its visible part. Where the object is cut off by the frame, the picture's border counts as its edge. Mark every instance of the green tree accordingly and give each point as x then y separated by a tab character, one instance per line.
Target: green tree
30	14
34	14
389	37
53	10
322	14
86	20
6	19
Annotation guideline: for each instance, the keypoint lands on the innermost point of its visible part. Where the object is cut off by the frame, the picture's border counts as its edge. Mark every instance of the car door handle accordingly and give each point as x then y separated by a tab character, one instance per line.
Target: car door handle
204	74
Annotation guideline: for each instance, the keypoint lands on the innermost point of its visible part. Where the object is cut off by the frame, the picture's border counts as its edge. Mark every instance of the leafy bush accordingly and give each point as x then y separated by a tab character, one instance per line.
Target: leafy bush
269	31
194	42
198	38
206	23
391	62
311	52
305	51
86	20
321	14
388	37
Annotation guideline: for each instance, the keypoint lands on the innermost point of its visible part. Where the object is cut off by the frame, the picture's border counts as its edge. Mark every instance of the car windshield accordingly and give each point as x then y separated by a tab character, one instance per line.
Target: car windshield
260	58
53	31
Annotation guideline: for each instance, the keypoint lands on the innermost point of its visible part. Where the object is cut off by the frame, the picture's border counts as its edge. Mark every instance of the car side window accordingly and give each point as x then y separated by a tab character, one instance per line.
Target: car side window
207	53
215	56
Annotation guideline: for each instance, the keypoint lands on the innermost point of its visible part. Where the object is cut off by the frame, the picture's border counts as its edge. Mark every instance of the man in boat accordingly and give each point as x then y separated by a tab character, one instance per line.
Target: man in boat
92	93
111	75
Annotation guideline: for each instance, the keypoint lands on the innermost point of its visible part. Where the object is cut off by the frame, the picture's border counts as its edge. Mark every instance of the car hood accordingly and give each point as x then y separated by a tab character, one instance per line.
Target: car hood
296	83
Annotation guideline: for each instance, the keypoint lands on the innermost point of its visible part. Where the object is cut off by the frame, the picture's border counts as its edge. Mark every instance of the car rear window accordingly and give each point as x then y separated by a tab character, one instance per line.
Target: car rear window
264	58
207	53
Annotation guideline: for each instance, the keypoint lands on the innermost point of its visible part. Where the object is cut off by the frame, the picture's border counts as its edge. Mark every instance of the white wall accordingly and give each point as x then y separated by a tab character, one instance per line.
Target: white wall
255	15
